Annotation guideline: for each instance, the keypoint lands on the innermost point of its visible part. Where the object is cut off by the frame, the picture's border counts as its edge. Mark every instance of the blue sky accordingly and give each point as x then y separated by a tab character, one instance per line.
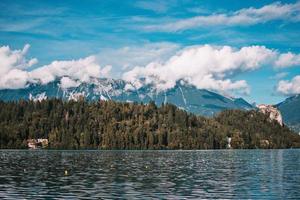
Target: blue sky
122	33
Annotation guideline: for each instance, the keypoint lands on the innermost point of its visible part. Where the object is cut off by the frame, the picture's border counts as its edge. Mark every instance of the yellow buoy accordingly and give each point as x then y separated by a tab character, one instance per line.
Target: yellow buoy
66	172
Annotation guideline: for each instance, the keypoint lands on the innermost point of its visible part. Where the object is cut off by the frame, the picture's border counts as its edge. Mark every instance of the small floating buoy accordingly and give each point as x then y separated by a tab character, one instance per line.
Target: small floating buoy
66	172
146	167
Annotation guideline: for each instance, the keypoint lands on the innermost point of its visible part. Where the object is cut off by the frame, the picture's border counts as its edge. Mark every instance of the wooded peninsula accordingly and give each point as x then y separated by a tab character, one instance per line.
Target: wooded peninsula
115	125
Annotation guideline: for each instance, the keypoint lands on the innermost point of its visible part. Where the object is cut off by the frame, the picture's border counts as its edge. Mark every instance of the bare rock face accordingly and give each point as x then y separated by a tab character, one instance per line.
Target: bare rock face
274	113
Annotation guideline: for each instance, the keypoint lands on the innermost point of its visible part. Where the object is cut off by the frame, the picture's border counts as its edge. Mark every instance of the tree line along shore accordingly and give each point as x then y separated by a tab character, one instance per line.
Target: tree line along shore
115	125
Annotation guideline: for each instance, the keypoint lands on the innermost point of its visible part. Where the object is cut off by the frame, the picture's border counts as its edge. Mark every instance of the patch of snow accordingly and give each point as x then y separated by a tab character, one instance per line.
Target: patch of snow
75	96
181	108
141	96
103	98
184	99
39	97
129	87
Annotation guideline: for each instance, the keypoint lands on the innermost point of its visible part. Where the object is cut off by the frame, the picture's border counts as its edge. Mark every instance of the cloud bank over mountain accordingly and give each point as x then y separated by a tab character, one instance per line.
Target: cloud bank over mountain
206	67
14	69
211	67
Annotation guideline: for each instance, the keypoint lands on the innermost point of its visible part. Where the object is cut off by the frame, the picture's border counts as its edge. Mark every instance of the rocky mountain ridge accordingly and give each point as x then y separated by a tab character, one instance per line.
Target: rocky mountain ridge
184	96
272	112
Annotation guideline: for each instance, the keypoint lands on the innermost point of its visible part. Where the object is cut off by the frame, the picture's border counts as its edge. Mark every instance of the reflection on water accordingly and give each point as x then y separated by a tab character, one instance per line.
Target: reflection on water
234	174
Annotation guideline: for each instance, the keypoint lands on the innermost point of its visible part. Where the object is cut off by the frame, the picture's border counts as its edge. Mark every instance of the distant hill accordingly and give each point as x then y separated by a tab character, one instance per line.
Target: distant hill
290	110
186	97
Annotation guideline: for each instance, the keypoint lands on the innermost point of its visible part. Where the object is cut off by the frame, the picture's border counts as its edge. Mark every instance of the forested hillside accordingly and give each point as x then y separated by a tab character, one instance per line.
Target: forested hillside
112	125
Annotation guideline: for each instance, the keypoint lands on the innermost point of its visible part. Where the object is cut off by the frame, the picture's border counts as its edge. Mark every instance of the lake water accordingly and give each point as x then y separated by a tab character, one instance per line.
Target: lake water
226	174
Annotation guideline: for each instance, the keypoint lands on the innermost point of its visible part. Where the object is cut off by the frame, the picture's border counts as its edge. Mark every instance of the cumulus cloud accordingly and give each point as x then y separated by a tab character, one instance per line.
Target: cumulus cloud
205	66
13	79
289	87
12	64
82	69
243	17
66	82
14	59
287	60
14	69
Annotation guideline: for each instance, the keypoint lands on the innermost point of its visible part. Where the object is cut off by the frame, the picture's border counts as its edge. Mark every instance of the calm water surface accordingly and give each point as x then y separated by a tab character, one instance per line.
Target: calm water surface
228	174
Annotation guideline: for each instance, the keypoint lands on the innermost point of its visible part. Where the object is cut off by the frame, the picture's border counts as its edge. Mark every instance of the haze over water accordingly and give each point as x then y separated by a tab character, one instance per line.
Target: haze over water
234	174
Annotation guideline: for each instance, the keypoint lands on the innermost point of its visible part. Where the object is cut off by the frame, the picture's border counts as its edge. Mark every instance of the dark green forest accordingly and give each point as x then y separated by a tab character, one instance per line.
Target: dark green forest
114	125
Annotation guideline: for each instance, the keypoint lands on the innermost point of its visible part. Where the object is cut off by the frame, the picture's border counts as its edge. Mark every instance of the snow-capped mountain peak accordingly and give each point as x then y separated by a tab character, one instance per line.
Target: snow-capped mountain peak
187	97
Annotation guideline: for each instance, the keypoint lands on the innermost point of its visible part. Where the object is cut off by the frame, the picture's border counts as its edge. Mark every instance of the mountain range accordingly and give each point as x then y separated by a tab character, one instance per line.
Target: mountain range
186	97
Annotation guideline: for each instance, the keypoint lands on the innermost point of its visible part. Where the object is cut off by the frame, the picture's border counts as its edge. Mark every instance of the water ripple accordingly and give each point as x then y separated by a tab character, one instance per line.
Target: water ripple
243	174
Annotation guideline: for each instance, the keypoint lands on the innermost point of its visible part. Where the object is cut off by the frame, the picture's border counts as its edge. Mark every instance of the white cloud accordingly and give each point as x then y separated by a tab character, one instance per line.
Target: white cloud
279	75
13	79
82	69
14	59
205	66
12	64
243	17
287	60
66	82
14	74
291	87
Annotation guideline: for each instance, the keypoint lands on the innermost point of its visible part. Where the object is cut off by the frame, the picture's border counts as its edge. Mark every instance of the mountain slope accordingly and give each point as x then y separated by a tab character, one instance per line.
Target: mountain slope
290	110
186	97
